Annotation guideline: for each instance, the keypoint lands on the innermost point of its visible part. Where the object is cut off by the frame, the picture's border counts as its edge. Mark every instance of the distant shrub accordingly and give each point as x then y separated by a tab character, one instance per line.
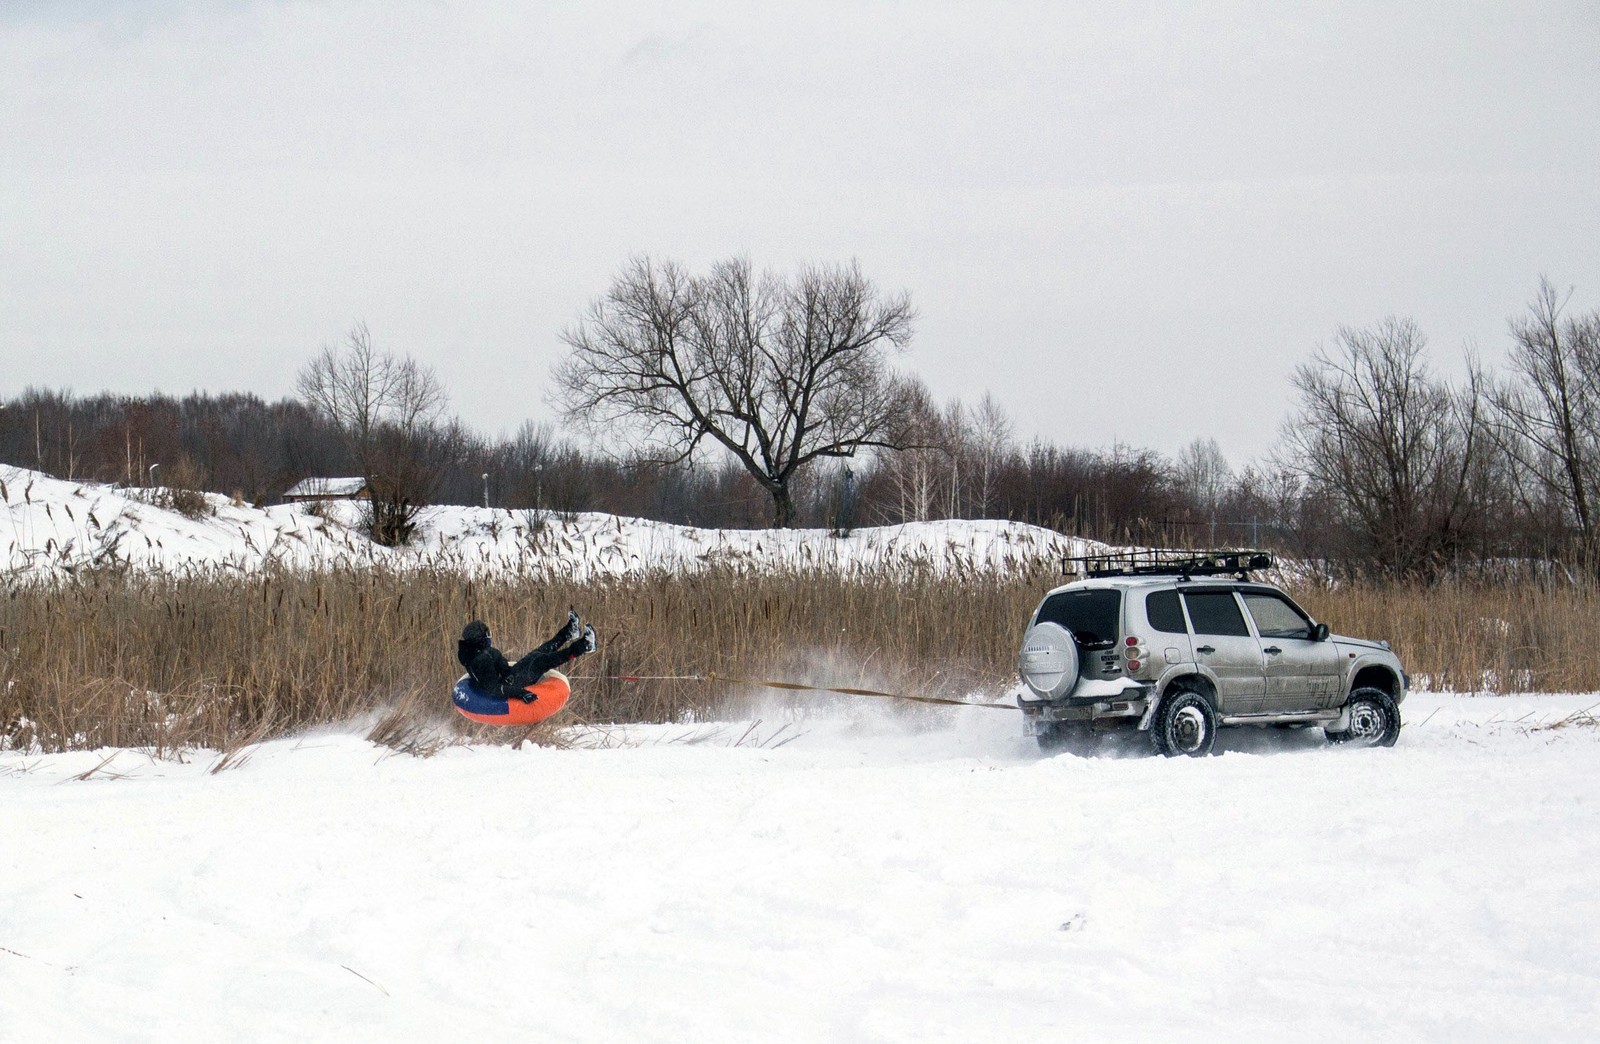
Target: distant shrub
389	520
189	503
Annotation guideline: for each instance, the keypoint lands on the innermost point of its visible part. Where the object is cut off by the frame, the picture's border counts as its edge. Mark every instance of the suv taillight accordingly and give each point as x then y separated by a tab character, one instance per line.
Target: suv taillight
1133	650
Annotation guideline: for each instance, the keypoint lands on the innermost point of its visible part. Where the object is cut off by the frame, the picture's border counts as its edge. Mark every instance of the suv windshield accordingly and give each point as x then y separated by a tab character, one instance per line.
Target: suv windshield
1091	616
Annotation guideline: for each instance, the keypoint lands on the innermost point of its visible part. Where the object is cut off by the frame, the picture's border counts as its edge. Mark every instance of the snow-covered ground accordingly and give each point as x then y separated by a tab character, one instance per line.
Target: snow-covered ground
858	874
877	878
49	527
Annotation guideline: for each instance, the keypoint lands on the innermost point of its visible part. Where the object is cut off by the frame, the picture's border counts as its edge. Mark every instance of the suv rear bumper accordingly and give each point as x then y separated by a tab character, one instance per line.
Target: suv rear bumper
1129	705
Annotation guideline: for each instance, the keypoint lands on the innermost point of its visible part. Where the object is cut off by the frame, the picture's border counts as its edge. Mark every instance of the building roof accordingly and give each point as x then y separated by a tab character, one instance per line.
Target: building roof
327	487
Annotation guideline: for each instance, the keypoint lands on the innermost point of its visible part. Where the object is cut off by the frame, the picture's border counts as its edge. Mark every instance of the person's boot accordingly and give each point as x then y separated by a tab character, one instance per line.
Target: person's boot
569	634
587	644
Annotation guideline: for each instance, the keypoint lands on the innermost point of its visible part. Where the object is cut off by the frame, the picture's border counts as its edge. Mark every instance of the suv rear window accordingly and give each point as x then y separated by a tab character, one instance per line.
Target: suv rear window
1091	616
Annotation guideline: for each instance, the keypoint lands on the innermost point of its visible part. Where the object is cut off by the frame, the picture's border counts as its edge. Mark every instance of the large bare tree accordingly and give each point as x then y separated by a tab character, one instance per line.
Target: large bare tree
778	371
389	409
1394	447
1547	413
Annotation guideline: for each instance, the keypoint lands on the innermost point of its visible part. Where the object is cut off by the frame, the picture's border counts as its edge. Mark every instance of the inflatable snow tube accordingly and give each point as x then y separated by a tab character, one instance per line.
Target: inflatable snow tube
551	692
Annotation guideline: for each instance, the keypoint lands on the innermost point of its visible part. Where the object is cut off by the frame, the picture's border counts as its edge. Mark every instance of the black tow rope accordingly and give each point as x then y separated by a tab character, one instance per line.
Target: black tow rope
795	686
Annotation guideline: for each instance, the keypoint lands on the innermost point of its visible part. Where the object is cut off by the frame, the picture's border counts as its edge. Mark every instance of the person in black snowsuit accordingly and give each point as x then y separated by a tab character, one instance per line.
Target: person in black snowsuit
494	676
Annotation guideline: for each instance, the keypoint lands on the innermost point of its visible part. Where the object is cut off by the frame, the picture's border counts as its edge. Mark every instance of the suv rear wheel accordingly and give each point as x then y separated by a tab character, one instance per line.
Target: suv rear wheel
1185	723
1374	720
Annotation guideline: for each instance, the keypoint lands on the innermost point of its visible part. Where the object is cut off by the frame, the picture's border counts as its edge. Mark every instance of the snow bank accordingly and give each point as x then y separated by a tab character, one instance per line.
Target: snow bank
49	528
879	878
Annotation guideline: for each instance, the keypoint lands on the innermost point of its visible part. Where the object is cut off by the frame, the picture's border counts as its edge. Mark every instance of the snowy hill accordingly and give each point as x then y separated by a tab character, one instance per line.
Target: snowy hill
50	527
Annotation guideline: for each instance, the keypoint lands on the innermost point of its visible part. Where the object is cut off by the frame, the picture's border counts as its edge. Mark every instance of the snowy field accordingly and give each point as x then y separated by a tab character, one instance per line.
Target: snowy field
873	879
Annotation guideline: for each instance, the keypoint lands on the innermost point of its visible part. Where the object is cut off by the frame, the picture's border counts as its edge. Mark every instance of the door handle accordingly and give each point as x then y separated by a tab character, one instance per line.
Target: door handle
1204	649
1272	650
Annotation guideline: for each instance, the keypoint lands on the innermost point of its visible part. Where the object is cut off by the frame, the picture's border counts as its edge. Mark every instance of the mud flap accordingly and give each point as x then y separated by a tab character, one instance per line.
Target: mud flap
1150	711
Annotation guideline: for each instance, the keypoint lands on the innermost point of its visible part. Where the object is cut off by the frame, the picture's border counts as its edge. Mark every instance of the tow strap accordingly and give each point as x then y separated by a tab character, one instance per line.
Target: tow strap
713	678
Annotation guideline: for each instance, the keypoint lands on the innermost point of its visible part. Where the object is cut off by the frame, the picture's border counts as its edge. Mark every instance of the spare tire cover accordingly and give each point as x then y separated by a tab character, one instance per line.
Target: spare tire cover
1048	662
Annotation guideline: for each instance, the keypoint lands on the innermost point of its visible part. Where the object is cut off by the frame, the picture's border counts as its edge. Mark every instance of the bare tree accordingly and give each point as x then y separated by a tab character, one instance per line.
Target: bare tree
992	432
1393	446
363	389
777	371
925	470
1203	474
1270	499
950	466
389	409
1547	415
349	385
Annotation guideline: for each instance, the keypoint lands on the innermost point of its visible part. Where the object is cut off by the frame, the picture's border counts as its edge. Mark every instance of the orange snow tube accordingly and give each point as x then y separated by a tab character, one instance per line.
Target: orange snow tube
550	693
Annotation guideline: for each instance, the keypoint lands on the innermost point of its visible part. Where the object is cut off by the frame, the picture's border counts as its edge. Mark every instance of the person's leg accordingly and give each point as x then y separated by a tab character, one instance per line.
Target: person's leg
531	667
567	634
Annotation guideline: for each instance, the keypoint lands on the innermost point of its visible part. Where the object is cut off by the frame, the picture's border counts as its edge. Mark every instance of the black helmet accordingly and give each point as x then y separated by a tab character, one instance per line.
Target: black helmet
476	633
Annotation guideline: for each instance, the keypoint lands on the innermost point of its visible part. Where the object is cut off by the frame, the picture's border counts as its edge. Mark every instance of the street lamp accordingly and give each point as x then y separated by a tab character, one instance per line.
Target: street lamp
485	489
153	468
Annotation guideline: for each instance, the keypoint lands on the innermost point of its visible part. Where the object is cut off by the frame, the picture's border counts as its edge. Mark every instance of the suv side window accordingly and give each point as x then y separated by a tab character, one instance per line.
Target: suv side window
1215	612
1164	612
1276	618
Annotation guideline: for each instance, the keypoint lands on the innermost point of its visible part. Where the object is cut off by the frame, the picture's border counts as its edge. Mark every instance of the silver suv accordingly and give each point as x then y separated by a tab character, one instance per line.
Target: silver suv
1176	643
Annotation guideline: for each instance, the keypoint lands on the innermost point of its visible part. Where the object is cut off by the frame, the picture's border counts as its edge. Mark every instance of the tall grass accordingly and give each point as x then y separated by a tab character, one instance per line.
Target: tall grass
168	663
1472	637
164	662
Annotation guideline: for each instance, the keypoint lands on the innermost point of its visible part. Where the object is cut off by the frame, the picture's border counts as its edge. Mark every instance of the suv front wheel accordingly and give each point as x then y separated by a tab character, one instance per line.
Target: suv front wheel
1374	720
1185	723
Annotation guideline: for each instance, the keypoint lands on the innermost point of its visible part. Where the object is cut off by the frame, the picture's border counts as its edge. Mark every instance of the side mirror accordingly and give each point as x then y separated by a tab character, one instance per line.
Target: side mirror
1319	633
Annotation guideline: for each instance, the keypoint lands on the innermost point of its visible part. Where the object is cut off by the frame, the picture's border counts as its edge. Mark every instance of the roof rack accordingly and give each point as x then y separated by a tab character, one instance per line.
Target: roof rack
1159	561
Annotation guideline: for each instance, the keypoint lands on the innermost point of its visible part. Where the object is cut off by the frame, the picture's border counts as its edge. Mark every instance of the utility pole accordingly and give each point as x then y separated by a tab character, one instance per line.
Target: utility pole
485	489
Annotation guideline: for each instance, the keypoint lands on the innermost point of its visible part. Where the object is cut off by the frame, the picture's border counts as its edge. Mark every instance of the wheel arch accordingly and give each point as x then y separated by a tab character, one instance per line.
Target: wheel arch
1375	676
1190	680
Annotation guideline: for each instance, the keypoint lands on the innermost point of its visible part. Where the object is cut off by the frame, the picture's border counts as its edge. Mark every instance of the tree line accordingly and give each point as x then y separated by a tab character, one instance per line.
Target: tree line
737	399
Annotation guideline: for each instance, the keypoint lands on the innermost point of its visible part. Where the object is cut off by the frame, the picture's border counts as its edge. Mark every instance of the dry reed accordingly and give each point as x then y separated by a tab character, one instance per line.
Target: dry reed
167	663
1493	638
216	661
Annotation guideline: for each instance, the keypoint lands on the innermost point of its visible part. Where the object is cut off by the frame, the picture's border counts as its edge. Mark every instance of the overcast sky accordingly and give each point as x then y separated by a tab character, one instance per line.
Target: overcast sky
1127	221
